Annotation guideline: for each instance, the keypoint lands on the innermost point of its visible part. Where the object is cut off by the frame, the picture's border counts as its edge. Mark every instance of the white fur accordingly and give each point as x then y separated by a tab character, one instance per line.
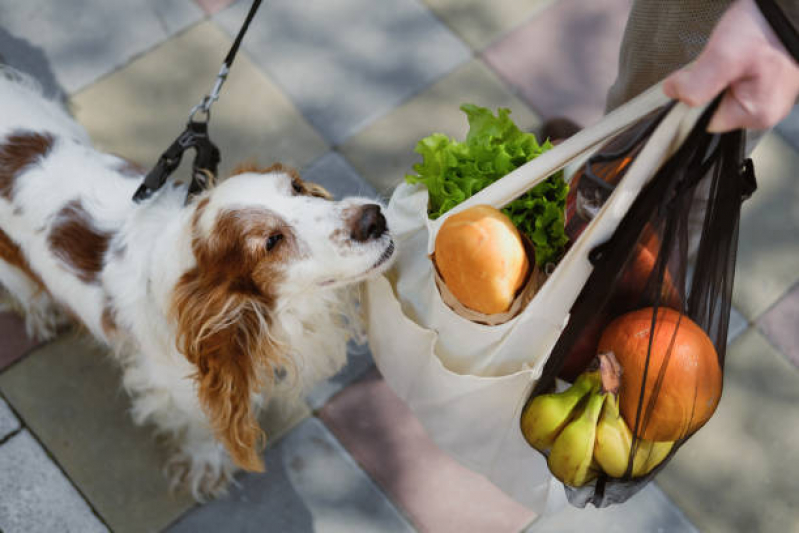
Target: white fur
156	236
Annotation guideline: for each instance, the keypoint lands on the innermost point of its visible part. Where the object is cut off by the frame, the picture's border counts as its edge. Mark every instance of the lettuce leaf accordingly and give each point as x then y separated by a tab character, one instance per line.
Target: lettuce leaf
453	171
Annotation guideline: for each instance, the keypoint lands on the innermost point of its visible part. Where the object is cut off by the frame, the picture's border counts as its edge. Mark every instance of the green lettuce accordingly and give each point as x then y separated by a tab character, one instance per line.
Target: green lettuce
453	171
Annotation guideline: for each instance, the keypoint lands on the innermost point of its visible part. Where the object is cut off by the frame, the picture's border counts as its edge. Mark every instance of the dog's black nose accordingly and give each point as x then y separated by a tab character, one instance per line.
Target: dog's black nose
370	224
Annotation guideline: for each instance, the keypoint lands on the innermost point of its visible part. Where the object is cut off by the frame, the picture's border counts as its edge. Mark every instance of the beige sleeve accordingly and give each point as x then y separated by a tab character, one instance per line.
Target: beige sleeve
660	37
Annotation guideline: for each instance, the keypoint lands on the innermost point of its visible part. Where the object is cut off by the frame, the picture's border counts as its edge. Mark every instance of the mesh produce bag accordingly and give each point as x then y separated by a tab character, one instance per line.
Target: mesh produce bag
658	299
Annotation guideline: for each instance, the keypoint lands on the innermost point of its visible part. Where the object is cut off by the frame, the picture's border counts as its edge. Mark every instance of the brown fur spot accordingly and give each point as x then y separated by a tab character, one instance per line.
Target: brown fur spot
18	151
77	242
223	309
11	253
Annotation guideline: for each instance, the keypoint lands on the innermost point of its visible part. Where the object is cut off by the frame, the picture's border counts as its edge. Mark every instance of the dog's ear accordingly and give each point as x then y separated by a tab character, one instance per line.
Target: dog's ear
224	333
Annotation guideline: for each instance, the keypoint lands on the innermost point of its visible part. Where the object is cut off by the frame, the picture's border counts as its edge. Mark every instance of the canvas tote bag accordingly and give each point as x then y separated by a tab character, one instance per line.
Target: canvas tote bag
467	382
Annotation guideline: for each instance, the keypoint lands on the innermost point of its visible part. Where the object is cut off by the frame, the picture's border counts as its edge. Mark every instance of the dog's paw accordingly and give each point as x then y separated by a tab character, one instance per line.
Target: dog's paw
205	474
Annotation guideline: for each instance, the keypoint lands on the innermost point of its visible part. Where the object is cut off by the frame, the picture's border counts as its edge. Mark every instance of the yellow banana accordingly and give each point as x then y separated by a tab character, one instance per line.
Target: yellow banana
648	455
548	414
571	458
614	440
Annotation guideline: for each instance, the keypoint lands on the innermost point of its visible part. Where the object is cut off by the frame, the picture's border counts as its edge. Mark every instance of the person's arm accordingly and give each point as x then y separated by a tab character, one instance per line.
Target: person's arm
745	56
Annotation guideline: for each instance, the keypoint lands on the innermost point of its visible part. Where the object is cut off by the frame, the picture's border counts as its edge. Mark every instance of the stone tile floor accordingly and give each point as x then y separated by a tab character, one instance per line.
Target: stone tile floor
344	90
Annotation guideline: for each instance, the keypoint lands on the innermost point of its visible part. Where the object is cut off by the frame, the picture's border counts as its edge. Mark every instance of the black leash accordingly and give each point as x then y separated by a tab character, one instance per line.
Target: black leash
206	159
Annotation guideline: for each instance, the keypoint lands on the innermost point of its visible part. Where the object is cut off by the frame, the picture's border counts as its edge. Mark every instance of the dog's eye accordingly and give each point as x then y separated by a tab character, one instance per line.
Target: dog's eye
273	240
297	187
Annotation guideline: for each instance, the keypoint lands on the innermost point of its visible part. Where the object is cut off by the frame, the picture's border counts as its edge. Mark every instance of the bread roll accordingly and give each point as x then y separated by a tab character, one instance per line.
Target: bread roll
481	258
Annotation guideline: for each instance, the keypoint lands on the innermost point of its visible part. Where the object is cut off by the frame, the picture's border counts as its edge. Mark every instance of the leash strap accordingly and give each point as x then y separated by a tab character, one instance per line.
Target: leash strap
195	135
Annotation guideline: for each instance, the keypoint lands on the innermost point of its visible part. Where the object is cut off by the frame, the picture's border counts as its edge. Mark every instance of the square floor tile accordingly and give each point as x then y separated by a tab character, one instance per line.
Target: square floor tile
311	485
391	445
384	152
780	325
565	59
348	62
768	245
138	111
71	44
8	421
69	394
14	342
740	473
479	23
35	495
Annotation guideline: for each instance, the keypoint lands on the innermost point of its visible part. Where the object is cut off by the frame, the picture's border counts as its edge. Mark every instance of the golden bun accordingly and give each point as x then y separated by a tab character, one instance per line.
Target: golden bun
481	258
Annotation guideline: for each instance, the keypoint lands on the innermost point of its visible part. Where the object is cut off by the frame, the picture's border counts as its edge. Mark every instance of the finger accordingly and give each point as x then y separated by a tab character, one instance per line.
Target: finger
729	116
713	71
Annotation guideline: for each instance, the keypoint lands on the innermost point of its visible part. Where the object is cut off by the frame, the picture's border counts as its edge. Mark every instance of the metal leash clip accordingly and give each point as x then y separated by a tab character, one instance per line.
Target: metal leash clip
204	167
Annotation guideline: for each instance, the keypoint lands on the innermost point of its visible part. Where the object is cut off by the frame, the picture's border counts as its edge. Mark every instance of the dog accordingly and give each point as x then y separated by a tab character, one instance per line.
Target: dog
212	307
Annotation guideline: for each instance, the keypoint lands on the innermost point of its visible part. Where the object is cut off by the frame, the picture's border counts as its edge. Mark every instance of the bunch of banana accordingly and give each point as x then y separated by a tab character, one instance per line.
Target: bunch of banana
585	433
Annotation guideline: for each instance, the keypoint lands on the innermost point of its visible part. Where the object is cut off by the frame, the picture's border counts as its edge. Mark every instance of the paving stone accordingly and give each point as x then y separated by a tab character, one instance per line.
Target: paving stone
311	485
346	63
737	325
384	152
117	465
35	495
768	250
333	172
479	23
69	394
648	511
8	421
14	343
72	44
564	60
789	127
779	325
740	473
390	444
138	111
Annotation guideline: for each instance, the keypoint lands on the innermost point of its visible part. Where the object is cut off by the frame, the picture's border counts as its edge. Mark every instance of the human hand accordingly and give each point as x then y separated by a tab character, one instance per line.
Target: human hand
745	56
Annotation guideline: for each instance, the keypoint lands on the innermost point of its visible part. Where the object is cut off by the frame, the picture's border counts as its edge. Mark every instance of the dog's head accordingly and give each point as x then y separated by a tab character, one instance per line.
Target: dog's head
259	239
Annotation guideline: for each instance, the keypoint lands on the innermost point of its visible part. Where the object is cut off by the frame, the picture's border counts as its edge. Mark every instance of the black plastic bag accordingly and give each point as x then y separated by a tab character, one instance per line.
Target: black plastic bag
707	177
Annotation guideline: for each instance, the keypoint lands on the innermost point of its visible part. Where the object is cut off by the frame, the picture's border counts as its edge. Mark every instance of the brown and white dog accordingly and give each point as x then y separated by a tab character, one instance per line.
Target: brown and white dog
211	307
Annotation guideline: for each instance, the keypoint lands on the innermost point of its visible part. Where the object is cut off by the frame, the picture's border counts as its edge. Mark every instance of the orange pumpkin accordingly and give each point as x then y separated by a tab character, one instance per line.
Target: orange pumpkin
685	356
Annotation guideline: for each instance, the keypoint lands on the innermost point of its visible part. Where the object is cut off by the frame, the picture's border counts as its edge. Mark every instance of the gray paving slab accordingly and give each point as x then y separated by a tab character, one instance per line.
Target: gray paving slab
348	62
779	325
9	423
335	173
789	127
740	472
35	496
649	511
69	44
311	485
69	394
